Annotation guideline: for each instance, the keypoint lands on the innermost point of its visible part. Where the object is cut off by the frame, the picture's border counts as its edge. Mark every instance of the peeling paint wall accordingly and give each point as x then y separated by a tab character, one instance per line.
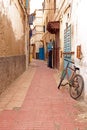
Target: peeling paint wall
11	29
12	42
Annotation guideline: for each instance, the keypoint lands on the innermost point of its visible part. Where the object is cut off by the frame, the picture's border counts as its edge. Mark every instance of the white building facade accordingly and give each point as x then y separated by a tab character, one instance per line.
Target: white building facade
72	17
37	31
69	34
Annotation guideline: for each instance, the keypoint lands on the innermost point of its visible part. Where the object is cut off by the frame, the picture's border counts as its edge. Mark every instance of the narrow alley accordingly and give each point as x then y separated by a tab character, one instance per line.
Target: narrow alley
33	102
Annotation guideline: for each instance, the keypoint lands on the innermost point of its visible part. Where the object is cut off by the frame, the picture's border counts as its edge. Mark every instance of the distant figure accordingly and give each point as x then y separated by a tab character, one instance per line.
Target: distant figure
49	48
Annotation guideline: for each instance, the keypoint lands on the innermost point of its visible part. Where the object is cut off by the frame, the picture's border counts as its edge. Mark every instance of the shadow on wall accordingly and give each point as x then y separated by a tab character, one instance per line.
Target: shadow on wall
12	57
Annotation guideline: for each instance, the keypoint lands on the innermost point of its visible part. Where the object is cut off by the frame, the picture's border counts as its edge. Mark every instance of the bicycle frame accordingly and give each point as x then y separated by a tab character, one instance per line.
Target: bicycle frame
75	80
73	71
69	77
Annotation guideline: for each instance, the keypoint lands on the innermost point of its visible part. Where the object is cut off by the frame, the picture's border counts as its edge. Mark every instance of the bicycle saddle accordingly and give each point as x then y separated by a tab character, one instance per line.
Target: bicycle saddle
76	68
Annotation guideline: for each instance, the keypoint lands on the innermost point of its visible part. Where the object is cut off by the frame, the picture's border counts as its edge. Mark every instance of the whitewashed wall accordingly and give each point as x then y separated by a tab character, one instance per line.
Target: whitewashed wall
82	39
78	21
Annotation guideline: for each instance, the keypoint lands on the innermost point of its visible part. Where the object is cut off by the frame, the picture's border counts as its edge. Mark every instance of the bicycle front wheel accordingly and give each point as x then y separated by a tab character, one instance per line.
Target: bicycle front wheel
76	87
62	78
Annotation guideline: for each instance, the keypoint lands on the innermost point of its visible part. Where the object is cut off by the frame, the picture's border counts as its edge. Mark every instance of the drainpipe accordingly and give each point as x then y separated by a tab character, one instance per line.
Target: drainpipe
26	32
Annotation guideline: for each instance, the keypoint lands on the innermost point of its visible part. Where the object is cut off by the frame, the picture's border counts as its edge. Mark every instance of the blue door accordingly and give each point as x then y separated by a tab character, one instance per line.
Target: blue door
41	53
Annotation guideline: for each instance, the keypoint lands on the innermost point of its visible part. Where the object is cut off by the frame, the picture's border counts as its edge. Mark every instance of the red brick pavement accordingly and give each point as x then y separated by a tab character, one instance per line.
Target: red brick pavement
44	107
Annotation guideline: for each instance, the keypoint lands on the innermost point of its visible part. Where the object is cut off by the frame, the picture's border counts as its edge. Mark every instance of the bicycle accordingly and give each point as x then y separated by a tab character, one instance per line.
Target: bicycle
74	80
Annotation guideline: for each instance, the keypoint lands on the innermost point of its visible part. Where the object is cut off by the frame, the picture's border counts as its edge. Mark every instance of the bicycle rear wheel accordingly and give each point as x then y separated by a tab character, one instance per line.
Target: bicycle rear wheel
62	78
76	86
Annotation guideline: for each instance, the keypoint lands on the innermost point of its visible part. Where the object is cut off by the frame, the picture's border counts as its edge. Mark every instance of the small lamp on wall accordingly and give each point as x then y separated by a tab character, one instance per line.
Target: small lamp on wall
79	52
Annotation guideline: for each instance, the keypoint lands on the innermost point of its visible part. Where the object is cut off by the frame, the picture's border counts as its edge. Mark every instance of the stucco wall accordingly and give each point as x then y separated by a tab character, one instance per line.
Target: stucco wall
10	68
78	21
11	29
12	42
81	38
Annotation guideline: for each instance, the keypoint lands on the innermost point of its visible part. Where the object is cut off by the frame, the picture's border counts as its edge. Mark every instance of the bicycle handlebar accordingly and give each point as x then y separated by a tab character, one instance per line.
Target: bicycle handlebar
75	68
69	61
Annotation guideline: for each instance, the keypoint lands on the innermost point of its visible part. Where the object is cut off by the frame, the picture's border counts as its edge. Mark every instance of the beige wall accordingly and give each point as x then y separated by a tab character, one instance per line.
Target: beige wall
11	29
12	42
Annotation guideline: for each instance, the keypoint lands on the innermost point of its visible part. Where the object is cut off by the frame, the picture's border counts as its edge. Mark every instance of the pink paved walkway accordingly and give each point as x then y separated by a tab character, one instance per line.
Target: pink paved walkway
44	107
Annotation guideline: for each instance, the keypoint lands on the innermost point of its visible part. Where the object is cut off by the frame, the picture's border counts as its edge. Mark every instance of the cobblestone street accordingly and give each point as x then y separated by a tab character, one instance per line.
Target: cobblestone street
33	102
